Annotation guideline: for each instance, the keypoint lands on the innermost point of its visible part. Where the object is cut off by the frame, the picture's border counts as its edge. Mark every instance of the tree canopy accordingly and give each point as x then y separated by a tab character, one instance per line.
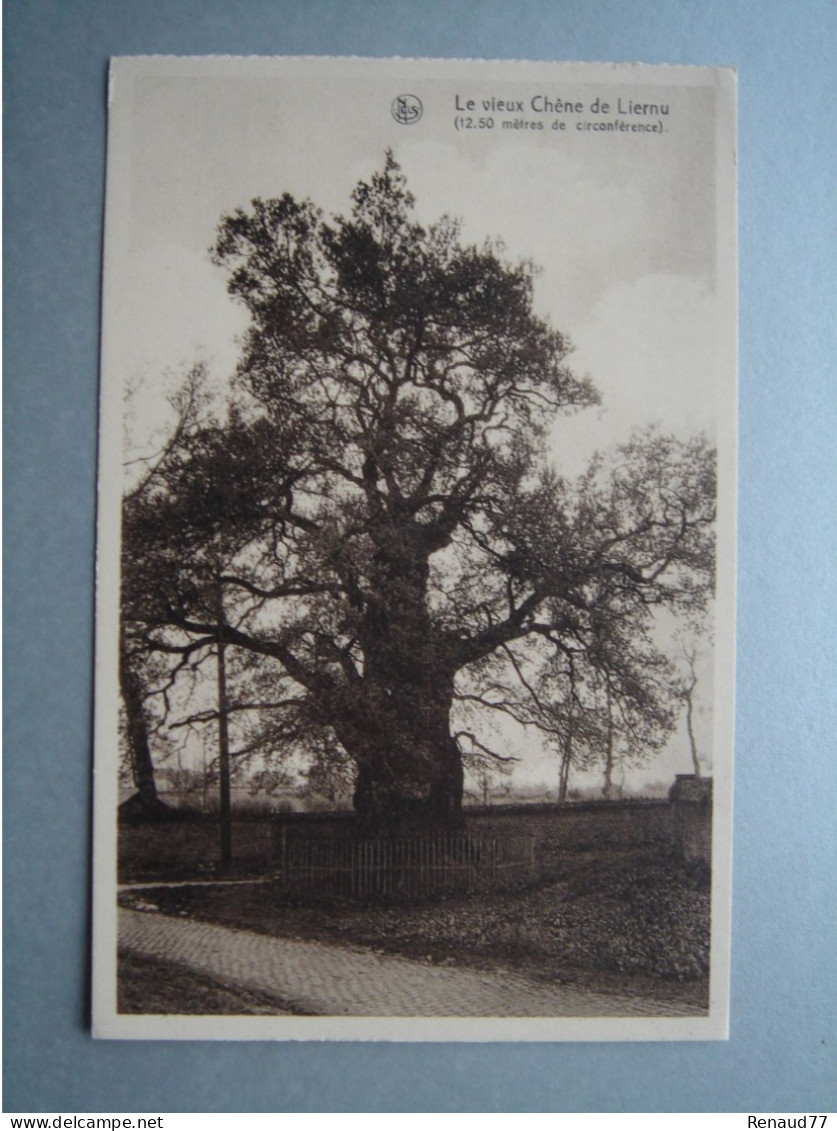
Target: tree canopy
373	524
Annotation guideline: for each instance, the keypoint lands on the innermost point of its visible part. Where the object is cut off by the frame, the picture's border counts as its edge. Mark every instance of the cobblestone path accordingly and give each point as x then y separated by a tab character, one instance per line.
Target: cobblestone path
329	980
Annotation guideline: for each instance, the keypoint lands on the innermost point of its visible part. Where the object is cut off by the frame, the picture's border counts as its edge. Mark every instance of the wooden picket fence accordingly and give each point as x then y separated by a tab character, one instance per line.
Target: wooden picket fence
403	866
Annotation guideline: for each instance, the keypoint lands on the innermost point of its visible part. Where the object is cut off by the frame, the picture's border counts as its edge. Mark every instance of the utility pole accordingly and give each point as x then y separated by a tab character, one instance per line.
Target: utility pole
566	758
223	745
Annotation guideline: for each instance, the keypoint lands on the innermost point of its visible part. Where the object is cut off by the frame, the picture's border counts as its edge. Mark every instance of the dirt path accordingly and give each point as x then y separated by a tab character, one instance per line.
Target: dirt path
329	980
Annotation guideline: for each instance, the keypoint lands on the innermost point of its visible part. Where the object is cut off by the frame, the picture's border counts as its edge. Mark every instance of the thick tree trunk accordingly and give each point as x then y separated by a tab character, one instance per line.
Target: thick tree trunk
397	726
384	807
409	774
146	800
564	778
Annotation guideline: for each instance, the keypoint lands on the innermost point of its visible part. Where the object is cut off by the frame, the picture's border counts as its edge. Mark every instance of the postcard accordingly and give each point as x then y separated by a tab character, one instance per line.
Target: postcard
415	607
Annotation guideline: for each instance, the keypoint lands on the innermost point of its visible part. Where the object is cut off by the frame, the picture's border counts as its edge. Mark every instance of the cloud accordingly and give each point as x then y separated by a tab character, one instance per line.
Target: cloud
589	223
652	350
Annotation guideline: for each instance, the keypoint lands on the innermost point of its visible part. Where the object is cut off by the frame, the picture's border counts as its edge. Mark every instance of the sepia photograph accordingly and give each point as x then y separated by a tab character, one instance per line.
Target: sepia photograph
415	583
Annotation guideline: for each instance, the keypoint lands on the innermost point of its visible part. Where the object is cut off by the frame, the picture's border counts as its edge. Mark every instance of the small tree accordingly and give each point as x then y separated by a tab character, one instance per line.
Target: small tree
685	691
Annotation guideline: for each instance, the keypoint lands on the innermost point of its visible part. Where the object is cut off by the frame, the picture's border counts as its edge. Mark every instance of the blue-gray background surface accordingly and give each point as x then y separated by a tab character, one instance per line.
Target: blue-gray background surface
781	1055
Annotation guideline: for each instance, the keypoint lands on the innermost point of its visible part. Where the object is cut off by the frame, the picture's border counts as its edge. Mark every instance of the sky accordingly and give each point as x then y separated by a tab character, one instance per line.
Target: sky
620	225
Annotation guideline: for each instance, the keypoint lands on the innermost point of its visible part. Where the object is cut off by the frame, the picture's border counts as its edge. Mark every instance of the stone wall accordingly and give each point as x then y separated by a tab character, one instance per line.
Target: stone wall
691	806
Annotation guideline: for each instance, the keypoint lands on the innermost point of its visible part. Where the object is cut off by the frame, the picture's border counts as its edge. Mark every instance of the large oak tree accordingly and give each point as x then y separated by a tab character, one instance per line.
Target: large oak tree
374	521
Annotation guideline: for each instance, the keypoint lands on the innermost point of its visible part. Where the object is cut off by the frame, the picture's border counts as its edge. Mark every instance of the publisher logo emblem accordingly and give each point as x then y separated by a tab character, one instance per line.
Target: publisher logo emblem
406	109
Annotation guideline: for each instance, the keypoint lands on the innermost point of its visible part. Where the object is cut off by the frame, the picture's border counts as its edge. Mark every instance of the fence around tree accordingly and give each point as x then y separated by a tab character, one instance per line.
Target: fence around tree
529	842
403	866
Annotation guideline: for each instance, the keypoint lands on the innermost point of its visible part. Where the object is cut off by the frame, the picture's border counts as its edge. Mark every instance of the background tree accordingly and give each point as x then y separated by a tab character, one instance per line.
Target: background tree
378	503
142	677
685	691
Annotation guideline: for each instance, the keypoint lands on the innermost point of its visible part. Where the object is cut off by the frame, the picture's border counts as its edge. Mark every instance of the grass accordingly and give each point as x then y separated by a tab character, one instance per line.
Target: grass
628	921
188	849
155	985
